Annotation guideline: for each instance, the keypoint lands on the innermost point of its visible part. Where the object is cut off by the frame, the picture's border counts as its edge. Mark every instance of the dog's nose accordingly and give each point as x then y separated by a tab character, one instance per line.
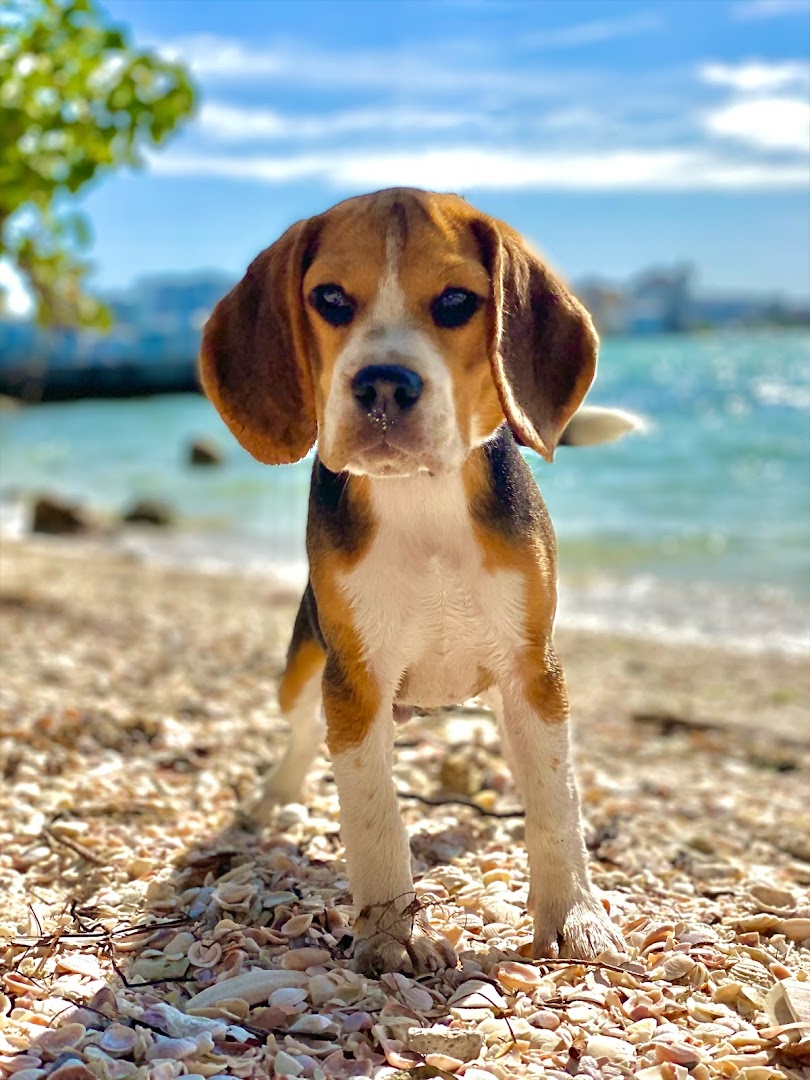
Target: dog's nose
387	388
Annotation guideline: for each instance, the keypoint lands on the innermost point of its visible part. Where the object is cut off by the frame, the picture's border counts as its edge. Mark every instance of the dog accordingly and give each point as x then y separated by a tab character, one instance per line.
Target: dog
419	341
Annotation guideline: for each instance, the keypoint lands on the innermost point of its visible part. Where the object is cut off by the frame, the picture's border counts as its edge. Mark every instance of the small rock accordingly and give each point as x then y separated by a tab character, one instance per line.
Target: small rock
204	452
459	774
148	512
461	1045
54	515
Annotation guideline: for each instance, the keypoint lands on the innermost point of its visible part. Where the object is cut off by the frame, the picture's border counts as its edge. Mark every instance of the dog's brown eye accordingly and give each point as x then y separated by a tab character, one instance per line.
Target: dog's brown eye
454	308
332	304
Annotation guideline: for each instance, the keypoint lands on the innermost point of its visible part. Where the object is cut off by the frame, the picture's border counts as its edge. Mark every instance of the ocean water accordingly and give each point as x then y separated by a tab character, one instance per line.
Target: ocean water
700	527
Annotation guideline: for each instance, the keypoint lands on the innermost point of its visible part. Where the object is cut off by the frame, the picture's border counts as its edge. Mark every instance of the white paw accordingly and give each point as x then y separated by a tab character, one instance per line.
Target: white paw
278	791
580	930
389	941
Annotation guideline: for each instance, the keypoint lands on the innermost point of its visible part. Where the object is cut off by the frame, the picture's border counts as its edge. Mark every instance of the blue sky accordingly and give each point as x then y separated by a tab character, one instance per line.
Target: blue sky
614	133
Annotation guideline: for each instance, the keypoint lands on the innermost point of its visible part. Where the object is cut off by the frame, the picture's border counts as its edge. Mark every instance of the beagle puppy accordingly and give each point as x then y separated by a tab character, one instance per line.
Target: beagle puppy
419	341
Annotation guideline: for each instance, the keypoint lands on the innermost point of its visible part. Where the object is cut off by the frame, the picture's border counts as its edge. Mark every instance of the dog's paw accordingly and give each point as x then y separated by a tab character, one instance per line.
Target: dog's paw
388	939
579	931
419	954
278	791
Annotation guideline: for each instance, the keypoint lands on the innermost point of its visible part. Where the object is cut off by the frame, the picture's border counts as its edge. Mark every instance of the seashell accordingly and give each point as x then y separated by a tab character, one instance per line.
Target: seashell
173	1049
163	1070
477	994
544	1018
179	944
297	925
233	896
275	899
674	967
287	996
21	986
794	929
771	896
358	1021
515	976
72	1070
204	956
657	934
35	1074
152	969
315	1024
321	989
54	1040
20	1062
80	964
394	1054
178	1024
762	921
117	1039
253	986
681	1053
268	1018
494	909
608	1048
286	1065
301	959
443	1061
418	998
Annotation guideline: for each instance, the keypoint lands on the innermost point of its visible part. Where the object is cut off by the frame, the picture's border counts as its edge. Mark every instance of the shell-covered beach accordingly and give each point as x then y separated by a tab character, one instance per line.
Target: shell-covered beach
147	931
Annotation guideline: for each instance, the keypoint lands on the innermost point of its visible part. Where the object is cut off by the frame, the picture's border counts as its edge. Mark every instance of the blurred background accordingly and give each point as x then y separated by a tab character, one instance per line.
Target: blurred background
657	153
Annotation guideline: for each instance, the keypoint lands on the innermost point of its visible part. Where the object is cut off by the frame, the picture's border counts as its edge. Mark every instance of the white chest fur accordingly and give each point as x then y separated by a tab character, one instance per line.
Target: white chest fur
425	608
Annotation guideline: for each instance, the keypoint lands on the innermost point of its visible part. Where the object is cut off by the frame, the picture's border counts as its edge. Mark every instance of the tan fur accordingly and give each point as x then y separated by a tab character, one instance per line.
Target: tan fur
540	670
303	665
432	558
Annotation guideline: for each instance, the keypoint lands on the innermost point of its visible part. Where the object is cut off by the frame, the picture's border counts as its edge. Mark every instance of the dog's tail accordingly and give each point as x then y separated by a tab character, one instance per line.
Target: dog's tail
592	425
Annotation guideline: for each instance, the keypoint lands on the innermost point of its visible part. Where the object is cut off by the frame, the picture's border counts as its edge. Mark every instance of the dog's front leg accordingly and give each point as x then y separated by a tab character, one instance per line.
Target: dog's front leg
569	919
360	735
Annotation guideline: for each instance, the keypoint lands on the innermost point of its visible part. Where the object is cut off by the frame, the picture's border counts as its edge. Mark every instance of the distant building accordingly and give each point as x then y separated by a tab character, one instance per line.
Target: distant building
157	319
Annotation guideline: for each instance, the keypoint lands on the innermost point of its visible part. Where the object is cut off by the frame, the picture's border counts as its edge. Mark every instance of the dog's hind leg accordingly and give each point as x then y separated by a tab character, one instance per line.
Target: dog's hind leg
300	699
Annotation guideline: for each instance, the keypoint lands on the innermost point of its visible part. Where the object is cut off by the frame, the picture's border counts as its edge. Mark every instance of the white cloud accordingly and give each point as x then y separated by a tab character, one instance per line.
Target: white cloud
464	168
769	9
770	123
231	123
219	59
757	75
595	32
15	297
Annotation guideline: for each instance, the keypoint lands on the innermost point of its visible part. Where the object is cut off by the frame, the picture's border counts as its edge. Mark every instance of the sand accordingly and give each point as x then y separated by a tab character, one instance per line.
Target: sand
137	716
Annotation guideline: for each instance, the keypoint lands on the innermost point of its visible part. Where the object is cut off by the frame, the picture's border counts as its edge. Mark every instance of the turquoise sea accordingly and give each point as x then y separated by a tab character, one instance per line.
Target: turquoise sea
698	527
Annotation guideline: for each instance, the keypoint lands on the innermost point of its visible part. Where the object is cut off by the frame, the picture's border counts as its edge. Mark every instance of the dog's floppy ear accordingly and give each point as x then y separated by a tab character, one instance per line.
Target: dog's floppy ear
253	361
542	343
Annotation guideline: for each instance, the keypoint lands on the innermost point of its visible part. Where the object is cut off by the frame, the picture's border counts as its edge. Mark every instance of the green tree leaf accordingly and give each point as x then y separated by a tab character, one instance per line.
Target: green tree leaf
77	100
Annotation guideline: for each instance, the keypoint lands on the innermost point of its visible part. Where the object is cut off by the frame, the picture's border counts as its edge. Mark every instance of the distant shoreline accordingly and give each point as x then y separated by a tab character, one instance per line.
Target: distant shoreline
691	614
48	379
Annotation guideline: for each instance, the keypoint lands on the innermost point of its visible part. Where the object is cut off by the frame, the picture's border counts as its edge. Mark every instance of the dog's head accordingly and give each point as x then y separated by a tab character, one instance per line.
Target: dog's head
398	328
